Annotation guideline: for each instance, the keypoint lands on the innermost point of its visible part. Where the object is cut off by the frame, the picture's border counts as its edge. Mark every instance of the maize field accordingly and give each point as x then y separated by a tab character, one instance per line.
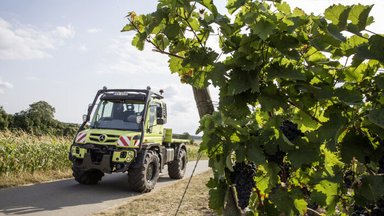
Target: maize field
21	152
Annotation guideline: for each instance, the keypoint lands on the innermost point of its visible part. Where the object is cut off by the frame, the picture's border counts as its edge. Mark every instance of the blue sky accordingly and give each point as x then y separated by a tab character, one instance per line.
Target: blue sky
64	51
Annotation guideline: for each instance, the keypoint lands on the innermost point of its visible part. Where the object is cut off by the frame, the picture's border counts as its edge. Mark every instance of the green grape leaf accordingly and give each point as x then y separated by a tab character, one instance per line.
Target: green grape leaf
217	196
301	206
331	192
283	7
175	64
315	56
298	157
379	80
209	5
138	41
338	14
349	97
359	16
355	145
374	49
283	201
266	177
371	188
263	29
128	27
172	30
255	153
349	47
377	117
285	72
269	99
332	163
233	5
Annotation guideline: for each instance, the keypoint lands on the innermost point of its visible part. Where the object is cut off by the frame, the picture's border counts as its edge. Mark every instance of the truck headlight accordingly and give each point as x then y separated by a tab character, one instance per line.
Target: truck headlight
78	152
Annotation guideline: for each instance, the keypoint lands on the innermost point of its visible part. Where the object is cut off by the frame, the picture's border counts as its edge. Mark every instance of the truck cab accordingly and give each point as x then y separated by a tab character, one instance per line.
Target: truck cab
126	134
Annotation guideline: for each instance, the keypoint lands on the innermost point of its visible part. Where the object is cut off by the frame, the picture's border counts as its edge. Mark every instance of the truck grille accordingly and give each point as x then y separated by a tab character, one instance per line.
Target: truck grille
109	138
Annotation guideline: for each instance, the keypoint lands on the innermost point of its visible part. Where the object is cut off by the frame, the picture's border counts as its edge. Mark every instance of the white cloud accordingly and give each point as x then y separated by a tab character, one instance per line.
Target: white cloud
83	48
124	59
171	91
65	31
32	78
93	30
4	85
28	42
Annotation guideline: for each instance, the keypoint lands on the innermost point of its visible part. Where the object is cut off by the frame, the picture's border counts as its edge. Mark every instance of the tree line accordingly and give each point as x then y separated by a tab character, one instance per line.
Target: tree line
38	119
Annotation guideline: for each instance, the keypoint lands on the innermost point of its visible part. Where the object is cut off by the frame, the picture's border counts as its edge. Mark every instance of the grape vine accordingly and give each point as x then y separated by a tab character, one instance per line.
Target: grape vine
322	72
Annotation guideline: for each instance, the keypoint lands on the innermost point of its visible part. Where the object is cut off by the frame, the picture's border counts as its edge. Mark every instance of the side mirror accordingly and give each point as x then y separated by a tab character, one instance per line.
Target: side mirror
139	119
84	118
159	112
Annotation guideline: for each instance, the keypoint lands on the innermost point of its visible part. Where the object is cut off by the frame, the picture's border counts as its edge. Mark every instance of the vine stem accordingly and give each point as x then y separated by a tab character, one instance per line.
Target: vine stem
314	211
162	51
167	53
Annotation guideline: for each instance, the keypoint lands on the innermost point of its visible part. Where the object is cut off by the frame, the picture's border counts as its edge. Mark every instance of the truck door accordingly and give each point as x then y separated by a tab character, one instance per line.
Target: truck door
154	130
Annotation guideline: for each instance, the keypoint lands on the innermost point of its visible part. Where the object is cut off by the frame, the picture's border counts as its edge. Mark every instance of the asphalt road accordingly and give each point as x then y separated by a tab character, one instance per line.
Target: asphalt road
67	197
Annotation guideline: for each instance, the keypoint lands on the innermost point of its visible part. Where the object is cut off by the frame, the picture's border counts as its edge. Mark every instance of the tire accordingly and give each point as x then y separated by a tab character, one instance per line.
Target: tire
89	177
176	168
144	178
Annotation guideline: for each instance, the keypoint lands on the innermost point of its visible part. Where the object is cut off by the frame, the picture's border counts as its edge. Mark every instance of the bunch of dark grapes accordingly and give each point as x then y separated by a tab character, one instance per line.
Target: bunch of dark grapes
359	211
290	130
381	165
243	179
349	178
285	173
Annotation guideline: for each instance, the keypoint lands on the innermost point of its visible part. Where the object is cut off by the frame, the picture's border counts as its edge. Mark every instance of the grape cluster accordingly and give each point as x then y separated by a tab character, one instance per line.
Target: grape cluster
349	178
381	165
284	173
243	179
290	130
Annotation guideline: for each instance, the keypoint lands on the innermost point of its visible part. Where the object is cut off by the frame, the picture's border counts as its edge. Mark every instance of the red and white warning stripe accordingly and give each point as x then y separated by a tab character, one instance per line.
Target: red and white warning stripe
126	141
137	142
80	138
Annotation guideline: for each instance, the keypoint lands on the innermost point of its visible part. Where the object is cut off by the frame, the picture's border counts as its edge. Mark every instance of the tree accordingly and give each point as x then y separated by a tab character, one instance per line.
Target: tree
301	100
39	118
4	119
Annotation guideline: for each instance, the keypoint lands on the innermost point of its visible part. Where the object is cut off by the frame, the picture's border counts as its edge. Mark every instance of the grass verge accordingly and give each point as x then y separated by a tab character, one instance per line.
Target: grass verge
164	201
13	180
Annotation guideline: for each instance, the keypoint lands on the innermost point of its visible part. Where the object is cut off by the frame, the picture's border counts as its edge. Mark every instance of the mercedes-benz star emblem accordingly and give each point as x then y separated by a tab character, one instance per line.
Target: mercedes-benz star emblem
101	137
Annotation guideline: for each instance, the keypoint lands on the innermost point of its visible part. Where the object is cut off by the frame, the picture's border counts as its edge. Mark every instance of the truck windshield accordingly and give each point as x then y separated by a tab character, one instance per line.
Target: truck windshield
120	115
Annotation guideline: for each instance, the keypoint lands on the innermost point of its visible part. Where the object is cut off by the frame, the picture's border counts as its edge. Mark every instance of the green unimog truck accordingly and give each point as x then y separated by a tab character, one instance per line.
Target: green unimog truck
127	134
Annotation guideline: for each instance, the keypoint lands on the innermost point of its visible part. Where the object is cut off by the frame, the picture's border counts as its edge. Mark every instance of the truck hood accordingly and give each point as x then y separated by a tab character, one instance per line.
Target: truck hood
109	137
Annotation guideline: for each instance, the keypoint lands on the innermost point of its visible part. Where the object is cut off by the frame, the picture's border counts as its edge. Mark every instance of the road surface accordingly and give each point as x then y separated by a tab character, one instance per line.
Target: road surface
67	197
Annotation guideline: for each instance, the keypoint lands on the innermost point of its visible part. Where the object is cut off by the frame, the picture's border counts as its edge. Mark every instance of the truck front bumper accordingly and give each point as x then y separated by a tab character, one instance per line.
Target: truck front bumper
103	158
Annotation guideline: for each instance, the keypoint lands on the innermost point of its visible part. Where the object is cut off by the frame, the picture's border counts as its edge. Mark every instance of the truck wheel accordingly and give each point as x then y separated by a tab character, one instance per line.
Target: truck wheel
89	177
176	168
144	178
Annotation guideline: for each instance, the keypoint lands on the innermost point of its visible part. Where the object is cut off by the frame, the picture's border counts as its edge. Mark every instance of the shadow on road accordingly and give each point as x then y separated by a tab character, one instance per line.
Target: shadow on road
66	193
